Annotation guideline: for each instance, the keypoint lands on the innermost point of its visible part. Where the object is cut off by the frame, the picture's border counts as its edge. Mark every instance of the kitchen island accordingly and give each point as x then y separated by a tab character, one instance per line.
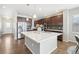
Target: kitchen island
41	42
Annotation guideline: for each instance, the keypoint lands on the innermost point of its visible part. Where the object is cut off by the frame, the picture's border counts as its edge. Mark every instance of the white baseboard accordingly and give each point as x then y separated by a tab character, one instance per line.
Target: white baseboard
74	41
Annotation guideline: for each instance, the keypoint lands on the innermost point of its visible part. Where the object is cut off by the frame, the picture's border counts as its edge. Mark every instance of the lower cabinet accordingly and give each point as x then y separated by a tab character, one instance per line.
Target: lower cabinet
60	38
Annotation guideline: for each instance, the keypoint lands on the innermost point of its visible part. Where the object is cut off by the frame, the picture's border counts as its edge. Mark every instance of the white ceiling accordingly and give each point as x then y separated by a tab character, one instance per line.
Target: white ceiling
41	10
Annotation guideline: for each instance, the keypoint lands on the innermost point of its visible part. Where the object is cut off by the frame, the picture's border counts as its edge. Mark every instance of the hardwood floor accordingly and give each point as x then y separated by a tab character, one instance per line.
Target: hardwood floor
8	45
63	47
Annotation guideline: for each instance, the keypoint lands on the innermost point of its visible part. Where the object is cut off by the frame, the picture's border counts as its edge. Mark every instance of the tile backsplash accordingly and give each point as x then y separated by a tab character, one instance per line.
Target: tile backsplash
57	27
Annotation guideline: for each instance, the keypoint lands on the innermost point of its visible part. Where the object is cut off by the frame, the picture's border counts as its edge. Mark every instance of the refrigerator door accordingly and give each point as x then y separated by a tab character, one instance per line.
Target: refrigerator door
22	27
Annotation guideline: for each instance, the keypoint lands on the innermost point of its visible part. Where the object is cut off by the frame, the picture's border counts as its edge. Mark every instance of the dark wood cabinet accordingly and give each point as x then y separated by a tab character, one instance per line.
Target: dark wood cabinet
41	21
21	19
54	20
60	37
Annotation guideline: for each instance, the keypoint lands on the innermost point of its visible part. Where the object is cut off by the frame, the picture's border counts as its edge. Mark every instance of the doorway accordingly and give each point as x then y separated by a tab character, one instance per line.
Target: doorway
7	26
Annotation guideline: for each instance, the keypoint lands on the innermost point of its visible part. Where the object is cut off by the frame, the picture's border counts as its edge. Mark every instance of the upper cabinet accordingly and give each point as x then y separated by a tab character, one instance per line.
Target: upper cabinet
56	20
21	19
51	22
41	21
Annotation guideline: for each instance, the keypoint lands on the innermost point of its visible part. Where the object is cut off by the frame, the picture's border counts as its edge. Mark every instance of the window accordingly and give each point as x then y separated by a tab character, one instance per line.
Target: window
75	25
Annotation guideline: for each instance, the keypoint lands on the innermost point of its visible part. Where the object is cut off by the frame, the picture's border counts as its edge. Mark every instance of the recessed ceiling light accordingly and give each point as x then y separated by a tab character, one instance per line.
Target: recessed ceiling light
34	16
3	7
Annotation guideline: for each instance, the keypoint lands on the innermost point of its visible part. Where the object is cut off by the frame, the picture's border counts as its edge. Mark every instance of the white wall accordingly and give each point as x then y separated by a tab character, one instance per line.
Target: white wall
15	26
32	24
66	25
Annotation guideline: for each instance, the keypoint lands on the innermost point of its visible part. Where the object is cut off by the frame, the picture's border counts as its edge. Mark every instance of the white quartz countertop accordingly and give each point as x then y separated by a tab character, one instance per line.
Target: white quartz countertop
38	36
